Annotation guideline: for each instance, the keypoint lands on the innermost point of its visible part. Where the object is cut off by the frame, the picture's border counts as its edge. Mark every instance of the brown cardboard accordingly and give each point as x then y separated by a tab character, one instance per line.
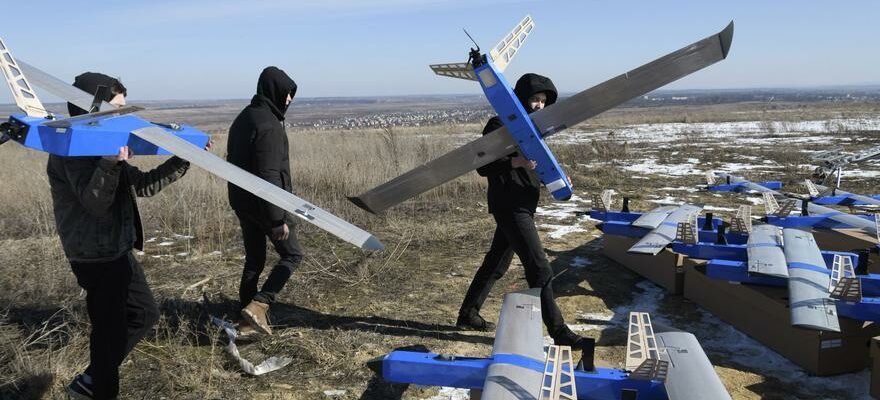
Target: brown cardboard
664	269
848	240
762	312
875	368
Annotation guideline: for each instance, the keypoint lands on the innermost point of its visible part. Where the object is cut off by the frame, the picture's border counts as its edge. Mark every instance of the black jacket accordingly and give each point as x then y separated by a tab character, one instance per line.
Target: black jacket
94	199
258	144
515	189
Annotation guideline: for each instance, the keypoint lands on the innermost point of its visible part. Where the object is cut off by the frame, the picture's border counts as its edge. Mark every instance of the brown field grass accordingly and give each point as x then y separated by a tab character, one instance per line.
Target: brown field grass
343	306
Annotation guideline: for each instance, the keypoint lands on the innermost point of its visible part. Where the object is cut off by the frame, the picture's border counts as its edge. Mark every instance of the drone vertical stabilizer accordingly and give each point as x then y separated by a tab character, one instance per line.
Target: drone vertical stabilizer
501	54
22	91
640	342
504	51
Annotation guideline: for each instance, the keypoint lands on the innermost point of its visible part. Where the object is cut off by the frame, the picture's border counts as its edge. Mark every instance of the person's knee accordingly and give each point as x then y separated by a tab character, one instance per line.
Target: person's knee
291	260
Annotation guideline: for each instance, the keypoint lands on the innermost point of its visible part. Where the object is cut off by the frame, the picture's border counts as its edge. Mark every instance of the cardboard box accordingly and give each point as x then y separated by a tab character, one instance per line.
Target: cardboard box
848	240
875	368
664	269
762	312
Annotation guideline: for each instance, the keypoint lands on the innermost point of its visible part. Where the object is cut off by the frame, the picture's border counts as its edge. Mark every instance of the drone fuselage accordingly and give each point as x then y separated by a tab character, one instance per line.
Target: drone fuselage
97	137
515	118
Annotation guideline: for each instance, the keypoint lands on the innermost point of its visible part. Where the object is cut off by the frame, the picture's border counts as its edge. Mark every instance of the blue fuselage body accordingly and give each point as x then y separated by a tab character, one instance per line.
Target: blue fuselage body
99	137
515	118
430	369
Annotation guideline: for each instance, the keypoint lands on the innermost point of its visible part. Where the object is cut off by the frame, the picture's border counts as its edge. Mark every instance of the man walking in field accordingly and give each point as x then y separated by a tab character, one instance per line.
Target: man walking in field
513	195
258	144
96	215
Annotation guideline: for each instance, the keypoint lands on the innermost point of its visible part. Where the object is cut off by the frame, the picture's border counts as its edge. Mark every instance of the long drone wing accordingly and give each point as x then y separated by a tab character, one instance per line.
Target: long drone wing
441	170
265	190
644	79
519	333
551	120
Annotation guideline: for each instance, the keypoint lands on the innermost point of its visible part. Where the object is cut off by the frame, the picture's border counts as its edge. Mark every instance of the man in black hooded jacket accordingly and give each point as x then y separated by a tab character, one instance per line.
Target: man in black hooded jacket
258	144
513	194
97	219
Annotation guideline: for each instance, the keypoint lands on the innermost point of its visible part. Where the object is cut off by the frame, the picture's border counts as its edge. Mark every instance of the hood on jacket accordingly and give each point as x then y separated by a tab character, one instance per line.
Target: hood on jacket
530	84
274	85
89	82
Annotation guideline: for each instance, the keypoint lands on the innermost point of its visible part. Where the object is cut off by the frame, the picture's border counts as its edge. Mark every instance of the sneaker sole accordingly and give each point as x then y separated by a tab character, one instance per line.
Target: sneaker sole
251	319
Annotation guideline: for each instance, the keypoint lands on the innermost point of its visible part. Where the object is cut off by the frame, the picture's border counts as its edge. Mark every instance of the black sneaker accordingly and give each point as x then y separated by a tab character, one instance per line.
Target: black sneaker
78	389
473	322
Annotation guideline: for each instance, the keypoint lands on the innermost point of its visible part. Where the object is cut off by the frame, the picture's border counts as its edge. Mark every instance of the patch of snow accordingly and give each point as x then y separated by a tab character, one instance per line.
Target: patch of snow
166	243
668	200
334	393
580	262
650	166
558	231
716	208
448	393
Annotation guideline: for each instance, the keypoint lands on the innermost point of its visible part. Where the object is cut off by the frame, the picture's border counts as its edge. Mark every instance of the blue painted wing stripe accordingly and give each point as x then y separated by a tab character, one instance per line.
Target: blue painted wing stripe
811	267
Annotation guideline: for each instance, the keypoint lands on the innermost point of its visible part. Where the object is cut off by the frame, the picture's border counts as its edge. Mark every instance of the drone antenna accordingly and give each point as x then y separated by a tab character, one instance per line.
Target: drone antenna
472	39
475	59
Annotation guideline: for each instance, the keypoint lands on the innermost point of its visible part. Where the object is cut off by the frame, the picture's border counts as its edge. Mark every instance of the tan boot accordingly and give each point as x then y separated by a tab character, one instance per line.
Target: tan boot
255	315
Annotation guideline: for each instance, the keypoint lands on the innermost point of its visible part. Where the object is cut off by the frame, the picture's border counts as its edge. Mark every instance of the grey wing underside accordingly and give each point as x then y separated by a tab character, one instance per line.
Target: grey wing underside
809	300
691	375
59	88
639	81
551	120
654	218
656	240
466	158
259	187
764	249
520	332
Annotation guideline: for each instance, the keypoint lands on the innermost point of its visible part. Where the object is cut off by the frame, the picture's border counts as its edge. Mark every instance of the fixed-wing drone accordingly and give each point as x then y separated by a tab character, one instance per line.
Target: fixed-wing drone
525	132
107	128
662	364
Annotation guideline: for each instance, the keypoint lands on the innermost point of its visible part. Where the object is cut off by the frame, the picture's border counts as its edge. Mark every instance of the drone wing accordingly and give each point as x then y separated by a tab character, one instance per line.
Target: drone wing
519	335
265	190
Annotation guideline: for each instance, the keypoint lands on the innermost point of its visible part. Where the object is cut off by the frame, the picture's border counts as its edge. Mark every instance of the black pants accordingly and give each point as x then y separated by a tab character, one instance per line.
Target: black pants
122	310
516	233
255	260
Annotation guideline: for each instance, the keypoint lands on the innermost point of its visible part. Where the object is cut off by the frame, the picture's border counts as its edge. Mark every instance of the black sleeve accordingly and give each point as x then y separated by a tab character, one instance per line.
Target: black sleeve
147	184
501	165
268	156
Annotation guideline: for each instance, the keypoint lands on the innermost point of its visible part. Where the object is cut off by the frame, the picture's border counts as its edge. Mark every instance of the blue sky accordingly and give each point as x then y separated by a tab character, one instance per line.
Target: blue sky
212	49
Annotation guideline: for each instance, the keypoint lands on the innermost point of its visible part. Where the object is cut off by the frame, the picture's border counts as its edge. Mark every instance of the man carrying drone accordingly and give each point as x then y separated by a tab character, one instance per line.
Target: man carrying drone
96	215
512	196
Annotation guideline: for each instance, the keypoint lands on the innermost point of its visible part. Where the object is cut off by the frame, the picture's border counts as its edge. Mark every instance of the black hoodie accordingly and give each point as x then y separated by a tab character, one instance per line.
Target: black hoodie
258	144
516	189
89	82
